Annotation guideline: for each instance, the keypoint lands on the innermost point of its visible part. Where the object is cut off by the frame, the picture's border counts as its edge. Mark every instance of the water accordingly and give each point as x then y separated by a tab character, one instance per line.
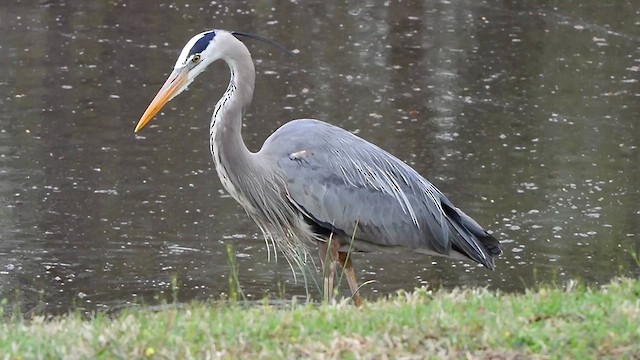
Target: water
524	113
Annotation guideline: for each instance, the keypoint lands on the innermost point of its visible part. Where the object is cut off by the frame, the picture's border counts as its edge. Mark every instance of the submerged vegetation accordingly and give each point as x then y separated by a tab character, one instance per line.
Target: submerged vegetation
571	322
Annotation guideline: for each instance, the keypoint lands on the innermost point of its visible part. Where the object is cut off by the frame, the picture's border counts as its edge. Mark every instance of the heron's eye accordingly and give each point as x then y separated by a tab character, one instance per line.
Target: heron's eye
195	58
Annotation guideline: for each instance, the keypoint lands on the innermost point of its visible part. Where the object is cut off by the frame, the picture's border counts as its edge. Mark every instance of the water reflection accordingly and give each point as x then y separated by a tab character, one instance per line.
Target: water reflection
524	113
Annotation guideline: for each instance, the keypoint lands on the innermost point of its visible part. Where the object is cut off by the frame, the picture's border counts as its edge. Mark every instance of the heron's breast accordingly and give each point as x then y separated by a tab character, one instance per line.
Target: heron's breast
226	181
227	184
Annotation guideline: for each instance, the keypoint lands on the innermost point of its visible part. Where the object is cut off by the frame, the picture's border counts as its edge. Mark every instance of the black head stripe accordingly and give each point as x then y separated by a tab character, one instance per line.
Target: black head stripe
202	43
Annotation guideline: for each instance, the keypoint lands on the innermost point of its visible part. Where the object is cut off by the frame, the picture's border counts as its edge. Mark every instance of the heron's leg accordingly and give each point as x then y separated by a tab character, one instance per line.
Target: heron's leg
322	252
347	266
328	270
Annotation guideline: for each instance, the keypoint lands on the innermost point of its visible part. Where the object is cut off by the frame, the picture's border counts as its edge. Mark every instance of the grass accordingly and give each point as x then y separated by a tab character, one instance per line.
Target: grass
574	322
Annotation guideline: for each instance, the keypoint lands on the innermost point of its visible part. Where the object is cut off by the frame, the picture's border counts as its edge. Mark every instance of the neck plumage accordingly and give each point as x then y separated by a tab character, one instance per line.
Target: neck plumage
248	177
229	151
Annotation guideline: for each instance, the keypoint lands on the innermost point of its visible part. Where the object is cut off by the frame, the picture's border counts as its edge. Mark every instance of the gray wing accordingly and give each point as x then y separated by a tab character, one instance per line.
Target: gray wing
348	185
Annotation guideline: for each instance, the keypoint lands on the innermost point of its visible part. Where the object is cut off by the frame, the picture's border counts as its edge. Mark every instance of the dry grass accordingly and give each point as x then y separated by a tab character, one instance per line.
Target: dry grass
575	322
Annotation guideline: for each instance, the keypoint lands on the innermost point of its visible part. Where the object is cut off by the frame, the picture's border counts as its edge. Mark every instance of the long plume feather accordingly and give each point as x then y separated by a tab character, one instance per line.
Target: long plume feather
263	39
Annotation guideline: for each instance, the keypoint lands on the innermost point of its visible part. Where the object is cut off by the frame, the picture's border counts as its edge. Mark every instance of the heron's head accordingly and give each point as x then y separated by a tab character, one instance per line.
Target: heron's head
202	50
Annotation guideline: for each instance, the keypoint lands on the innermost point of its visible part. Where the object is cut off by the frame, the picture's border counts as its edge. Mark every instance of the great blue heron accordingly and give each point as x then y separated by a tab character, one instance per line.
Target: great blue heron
312	182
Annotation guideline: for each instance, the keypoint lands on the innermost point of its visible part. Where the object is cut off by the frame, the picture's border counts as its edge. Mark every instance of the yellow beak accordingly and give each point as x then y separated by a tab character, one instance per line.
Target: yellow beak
172	87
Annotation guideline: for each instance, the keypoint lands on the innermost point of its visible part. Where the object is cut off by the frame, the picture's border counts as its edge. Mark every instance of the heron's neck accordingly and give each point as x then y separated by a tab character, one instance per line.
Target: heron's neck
227	146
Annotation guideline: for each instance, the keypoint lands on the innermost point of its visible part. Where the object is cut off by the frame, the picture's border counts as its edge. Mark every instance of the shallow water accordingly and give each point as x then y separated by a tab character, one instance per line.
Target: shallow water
524	113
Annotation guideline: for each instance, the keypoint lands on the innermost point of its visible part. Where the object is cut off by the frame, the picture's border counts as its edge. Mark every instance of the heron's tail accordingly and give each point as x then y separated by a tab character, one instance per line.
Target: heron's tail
471	239
491	244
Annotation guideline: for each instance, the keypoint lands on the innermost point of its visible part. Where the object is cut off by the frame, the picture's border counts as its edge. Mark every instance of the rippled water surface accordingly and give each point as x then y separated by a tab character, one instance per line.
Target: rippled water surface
525	113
